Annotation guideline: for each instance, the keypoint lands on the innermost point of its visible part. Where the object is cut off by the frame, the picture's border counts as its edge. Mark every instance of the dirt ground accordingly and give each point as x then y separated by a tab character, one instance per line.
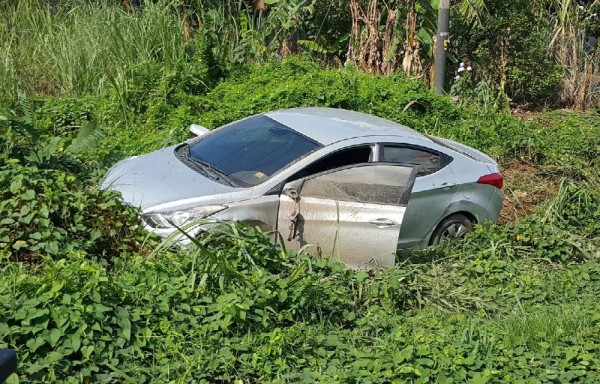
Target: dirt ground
525	187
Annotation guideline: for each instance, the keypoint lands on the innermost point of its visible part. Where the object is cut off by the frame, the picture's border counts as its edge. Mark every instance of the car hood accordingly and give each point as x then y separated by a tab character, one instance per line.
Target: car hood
158	178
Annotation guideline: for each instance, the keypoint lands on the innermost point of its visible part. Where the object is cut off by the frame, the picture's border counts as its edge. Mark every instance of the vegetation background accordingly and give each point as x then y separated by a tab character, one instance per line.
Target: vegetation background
86	295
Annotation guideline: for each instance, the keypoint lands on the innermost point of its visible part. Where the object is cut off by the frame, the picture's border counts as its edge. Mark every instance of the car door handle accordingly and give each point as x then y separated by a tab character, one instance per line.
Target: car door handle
446	186
383	223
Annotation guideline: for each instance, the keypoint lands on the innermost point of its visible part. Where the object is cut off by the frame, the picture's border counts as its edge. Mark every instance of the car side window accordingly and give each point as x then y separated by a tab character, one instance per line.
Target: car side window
428	162
349	156
386	184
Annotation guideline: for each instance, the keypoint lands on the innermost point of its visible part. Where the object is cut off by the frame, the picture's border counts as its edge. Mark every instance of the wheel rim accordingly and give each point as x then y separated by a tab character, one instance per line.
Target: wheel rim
454	231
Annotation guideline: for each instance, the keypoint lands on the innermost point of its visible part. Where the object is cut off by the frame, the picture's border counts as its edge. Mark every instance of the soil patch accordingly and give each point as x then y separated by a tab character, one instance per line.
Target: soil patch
525	187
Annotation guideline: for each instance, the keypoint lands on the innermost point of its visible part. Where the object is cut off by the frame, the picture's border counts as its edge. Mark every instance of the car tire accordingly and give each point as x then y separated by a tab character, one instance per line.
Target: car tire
452	227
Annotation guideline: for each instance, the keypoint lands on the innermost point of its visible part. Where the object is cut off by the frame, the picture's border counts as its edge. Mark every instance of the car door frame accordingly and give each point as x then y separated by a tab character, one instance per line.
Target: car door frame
309	161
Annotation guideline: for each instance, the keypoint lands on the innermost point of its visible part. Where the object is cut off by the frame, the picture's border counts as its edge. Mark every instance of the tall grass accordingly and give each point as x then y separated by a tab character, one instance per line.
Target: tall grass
548	325
84	47
581	84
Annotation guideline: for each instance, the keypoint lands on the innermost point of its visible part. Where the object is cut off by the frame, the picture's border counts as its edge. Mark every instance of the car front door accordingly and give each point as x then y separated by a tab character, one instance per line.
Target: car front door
352	214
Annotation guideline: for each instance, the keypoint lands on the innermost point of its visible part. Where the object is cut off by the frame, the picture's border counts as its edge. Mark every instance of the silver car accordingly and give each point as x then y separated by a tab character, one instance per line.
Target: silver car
357	186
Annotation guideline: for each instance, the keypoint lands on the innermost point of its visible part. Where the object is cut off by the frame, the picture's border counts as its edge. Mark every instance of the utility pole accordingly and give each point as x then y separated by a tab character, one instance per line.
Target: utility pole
441	45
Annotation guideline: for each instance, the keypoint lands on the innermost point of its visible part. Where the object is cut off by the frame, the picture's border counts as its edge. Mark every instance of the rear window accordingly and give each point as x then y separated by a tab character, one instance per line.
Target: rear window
252	150
427	162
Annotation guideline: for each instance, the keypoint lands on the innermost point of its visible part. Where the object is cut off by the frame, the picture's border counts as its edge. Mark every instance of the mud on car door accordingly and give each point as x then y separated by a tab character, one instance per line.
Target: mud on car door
352	214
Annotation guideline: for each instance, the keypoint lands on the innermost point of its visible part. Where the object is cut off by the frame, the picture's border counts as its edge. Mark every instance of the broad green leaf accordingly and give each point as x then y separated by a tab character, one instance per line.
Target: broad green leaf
15	186
362	276
75	341
55	335
125	325
86	351
425	36
28	194
34	344
282	295
53	357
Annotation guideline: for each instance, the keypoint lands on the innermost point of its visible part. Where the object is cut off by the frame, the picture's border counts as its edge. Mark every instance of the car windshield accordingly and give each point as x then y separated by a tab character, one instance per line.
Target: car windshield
250	151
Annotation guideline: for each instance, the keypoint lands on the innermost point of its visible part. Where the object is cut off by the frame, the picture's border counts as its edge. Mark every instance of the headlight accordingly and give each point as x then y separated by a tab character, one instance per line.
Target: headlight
179	218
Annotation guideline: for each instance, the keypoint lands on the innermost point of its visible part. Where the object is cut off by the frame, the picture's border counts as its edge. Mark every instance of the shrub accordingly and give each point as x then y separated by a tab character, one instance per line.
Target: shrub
108	321
49	213
62	116
297	82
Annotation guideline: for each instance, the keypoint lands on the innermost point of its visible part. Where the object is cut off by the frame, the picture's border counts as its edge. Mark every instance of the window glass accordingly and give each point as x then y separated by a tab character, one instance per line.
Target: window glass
338	159
428	162
377	184
251	150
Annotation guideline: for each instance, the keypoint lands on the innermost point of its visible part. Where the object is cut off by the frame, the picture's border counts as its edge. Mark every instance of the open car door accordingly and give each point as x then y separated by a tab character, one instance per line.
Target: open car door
352	214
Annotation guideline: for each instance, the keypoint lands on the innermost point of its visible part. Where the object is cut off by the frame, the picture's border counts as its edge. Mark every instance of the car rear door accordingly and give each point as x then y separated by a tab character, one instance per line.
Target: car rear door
434	191
352	214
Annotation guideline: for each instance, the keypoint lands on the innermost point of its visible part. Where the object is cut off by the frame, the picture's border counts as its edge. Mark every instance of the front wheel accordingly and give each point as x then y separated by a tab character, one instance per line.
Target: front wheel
451	228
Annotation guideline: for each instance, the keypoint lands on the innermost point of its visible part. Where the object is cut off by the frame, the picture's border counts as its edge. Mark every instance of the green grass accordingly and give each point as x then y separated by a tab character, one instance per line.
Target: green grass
86	48
175	316
85	295
549	326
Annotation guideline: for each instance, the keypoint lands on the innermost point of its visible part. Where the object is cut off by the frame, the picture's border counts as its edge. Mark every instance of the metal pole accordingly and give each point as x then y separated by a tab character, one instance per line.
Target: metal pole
441	45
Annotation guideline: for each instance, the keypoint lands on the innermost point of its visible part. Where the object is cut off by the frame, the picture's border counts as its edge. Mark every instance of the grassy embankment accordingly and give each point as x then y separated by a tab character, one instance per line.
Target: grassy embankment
86	295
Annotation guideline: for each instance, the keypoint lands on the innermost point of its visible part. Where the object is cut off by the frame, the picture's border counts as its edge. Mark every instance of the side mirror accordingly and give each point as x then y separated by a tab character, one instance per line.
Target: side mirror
198	130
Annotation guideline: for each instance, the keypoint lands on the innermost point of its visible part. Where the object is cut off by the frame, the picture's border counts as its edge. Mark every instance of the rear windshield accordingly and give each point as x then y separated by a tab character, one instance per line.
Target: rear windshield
252	150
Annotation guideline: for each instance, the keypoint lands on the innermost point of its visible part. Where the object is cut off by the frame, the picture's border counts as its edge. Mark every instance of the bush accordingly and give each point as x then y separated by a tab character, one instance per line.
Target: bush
298	82
63	116
159	105
49	213
109	321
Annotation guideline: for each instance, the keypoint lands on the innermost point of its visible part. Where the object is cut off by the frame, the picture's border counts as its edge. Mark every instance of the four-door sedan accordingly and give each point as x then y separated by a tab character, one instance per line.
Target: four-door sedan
358	186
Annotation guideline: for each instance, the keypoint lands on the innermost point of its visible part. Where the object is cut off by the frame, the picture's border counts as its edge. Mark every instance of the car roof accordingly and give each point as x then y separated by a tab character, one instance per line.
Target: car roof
330	125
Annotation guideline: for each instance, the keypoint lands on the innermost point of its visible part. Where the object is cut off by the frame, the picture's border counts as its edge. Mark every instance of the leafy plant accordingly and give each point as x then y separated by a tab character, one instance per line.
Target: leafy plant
46	213
27	143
